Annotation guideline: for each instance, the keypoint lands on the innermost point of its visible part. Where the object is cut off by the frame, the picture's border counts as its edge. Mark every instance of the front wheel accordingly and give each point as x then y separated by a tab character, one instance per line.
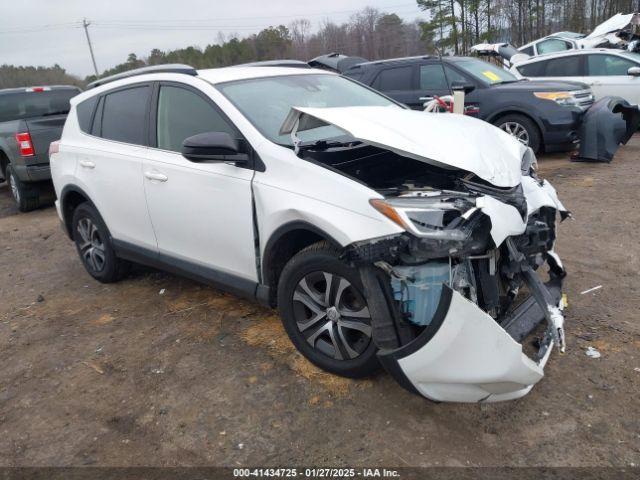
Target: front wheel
522	128
325	312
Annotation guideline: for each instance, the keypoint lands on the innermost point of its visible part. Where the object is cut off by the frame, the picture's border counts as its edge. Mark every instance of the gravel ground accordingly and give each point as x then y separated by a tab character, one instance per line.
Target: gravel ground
122	375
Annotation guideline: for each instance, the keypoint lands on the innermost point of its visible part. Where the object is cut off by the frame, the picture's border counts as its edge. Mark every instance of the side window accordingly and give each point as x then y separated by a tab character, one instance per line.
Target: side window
553	45
601	65
564	67
183	113
535	69
528	50
432	77
125	114
455	77
394	79
84	111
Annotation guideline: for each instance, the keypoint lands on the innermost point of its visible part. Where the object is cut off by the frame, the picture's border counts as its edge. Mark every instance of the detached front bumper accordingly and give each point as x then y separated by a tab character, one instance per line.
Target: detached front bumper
464	355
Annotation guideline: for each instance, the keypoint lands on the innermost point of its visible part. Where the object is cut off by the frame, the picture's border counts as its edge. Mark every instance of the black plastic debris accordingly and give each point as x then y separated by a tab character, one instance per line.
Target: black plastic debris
609	123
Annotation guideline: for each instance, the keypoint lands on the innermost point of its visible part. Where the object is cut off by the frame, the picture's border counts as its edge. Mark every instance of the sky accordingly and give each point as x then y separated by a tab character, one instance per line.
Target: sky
46	32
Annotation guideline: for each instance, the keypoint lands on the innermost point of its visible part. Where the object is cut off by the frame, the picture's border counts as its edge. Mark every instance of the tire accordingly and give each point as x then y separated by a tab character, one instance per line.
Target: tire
335	335
521	126
26	196
93	243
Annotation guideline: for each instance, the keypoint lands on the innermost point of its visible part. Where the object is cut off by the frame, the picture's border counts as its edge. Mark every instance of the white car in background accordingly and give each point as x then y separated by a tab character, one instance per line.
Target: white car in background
615	32
609	72
383	235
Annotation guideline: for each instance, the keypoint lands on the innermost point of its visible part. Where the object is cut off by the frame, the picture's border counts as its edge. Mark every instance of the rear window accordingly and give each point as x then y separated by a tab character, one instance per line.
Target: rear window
535	69
570	66
394	79
84	111
124	115
19	105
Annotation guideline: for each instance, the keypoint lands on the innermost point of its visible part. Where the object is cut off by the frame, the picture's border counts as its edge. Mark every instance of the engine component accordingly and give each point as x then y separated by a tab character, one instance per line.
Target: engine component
418	289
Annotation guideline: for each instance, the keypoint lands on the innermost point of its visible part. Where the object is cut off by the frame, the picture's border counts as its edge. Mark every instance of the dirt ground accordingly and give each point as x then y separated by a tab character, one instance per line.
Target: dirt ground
123	375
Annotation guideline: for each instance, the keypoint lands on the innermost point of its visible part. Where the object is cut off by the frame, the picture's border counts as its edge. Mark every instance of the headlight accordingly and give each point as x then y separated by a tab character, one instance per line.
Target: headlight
435	217
561	98
441	225
529	164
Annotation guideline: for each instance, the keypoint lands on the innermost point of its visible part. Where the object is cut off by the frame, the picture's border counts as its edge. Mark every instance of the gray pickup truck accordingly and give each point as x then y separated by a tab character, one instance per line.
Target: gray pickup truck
30	119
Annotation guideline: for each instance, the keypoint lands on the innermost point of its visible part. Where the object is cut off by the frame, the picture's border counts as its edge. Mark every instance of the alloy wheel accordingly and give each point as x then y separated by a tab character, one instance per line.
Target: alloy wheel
14	188
91	245
332	315
517	130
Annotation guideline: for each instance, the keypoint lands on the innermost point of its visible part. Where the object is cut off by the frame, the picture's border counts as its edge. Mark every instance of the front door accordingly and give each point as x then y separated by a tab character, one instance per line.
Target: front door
201	211
608	76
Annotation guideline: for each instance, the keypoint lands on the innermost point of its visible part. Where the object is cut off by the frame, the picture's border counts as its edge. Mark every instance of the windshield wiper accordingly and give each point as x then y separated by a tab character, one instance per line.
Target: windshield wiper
48	114
327	144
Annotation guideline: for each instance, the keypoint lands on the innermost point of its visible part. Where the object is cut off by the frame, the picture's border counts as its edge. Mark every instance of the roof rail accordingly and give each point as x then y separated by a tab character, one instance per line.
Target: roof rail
276	63
169	68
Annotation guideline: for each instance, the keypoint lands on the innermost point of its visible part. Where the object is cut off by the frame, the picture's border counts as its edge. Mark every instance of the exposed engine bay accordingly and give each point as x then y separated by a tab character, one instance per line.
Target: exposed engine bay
453	255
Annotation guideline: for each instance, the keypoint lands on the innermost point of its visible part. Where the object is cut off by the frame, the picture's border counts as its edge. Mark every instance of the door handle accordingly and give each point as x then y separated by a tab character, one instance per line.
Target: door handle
87	164
160	177
425	99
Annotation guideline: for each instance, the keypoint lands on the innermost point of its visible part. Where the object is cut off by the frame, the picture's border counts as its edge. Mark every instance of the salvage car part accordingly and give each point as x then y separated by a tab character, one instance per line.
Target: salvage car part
609	123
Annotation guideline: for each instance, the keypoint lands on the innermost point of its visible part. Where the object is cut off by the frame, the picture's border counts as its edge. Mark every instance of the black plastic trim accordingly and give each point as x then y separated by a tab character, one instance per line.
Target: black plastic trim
286	228
67	189
389	358
225	281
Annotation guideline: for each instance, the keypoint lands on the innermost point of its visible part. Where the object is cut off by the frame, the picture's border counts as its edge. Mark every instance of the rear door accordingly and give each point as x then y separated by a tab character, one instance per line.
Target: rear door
109	163
607	75
567	67
201	212
400	82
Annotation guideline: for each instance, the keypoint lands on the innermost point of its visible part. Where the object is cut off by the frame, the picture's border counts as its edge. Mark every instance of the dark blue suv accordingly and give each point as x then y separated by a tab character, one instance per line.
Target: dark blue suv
542	114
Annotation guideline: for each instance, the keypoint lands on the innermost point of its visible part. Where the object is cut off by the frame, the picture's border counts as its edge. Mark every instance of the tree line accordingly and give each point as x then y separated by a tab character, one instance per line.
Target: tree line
456	25
447	27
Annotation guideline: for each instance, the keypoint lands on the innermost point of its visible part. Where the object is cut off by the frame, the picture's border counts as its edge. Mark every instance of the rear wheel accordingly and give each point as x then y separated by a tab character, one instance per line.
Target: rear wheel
26	196
522	128
325	313
93	243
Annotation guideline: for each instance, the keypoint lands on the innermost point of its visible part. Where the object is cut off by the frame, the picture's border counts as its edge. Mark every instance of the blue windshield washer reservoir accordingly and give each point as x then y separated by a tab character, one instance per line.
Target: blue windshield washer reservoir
419	288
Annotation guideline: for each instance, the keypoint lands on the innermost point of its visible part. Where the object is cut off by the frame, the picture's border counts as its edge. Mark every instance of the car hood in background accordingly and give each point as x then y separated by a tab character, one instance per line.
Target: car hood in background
616	23
539	86
447	141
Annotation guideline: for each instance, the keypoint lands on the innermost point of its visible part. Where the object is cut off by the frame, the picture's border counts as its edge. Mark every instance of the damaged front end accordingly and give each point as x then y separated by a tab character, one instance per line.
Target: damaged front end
450	304
450	297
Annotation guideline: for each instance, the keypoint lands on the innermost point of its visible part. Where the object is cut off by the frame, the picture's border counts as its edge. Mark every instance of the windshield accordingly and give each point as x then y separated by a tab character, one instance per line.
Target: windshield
631	55
267	101
486	72
19	105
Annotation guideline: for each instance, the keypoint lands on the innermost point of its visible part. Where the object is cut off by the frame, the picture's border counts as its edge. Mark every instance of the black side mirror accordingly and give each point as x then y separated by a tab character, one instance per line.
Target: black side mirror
212	146
467	87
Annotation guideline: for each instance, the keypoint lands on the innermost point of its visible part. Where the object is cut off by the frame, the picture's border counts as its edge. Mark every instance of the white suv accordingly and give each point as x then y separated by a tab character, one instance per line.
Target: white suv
383	235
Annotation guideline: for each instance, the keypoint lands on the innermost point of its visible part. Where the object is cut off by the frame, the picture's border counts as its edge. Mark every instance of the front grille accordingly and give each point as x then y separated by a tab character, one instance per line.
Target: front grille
584	98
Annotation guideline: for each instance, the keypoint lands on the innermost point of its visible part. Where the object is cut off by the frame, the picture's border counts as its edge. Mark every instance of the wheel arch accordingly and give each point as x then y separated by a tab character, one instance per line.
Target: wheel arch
286	241
516	111
70	197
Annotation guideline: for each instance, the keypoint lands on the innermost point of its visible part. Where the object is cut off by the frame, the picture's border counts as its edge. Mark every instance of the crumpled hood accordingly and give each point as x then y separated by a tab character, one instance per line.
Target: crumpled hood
616	23
444	140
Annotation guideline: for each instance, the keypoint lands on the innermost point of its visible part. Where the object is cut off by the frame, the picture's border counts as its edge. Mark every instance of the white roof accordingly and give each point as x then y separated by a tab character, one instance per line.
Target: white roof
568	53
228	74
